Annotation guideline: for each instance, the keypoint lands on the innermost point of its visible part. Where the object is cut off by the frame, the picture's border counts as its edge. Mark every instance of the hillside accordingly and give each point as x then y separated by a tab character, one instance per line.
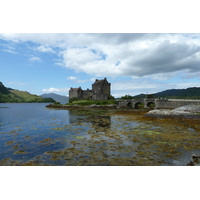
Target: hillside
56	97
189	93
3	89
8	95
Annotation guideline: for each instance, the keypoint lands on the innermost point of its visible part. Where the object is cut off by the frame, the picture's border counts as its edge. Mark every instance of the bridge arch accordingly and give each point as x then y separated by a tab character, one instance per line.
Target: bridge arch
138	104
150	104
129	104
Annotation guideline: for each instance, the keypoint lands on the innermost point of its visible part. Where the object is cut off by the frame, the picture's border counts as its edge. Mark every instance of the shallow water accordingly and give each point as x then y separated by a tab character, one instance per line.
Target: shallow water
31	134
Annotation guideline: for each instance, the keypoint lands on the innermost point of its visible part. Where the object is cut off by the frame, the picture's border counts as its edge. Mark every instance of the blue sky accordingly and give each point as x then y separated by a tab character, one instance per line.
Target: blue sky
133	63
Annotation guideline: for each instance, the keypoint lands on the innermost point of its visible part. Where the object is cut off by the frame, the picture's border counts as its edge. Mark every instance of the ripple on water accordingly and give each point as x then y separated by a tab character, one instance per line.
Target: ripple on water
96	137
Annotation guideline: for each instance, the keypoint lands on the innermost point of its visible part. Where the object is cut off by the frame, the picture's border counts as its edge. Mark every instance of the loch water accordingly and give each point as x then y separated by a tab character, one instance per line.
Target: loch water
31	134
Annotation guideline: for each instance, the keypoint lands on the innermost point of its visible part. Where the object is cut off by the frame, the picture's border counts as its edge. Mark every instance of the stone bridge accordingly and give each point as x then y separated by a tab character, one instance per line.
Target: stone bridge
158	103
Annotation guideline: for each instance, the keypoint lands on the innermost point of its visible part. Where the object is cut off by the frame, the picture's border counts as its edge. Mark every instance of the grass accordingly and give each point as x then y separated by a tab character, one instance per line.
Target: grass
92	102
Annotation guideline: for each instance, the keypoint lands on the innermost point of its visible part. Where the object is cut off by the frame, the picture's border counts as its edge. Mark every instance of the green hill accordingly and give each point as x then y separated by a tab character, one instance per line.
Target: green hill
8	95
3	89
189	93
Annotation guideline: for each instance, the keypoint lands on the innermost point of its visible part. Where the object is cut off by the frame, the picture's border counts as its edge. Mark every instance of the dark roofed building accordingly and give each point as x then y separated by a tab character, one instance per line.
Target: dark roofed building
75	93
100	91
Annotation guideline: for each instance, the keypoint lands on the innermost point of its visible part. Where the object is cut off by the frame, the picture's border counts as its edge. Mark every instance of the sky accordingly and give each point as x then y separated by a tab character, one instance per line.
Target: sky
133	63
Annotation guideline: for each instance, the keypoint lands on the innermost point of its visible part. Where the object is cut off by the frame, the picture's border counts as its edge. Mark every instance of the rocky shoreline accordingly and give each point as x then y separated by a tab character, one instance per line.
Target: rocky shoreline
189	112
186	112
194	161
81	107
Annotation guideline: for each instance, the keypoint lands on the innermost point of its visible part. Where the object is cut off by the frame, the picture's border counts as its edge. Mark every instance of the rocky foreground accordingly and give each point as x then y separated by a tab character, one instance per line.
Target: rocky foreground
187	112
191	111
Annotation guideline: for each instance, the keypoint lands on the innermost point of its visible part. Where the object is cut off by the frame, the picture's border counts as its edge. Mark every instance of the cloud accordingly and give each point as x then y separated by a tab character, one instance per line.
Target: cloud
45	49
9	47
18	83
164	54
75	57
34	59
72	78
124	54
163	58
10	51
59	90
76	80
93	79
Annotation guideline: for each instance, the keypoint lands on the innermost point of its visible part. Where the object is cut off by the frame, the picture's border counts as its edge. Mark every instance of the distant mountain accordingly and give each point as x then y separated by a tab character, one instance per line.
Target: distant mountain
189	93
9	95
56	97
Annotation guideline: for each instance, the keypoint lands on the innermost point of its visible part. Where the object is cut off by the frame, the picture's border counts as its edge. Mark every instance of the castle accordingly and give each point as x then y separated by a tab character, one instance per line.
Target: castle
100	91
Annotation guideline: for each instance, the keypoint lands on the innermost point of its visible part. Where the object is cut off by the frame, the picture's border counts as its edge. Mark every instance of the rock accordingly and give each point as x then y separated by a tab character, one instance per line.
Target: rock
198	164
195	156
184	111
194	161
191	160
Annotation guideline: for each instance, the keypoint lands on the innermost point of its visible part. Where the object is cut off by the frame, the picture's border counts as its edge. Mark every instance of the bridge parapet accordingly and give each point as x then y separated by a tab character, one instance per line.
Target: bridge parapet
159	103
185	100
175	103
136	100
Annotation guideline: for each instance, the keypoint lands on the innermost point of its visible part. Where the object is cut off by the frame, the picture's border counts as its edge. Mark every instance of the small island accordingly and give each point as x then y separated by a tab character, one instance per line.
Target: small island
98	97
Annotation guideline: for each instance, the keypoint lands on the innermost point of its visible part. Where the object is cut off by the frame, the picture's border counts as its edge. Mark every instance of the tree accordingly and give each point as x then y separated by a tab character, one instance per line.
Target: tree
127	97
150	96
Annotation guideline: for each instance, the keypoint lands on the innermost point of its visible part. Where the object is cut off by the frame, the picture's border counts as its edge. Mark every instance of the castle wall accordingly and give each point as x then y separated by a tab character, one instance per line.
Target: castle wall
100	97
75	93
87	94
104	88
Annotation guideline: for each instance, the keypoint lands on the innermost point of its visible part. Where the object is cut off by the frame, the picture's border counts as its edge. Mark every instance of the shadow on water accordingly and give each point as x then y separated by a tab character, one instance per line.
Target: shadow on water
40	136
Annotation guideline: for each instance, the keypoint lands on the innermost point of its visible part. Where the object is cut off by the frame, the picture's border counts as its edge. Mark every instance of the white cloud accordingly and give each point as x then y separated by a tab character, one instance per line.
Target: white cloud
72	78
75	79
157	57
34	59
10	51
59	90
93	79
133	54
79	56
45	49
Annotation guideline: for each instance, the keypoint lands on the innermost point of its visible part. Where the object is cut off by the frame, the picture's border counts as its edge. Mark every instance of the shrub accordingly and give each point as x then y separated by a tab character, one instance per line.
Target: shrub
73	99
127	97
56	103
110	97
91	102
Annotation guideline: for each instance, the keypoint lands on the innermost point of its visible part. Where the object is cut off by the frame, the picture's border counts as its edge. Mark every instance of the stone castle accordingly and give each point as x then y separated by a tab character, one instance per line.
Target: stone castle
100	91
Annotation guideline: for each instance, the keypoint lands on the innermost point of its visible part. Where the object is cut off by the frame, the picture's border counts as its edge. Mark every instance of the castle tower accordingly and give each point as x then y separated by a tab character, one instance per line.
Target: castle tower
75	93
101	89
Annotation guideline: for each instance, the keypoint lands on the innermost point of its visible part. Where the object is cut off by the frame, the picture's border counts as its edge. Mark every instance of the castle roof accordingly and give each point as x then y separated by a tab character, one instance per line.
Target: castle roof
76	89
100	82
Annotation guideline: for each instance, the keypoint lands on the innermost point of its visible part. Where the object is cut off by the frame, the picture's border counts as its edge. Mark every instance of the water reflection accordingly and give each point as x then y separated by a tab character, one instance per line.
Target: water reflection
100	121
30	134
